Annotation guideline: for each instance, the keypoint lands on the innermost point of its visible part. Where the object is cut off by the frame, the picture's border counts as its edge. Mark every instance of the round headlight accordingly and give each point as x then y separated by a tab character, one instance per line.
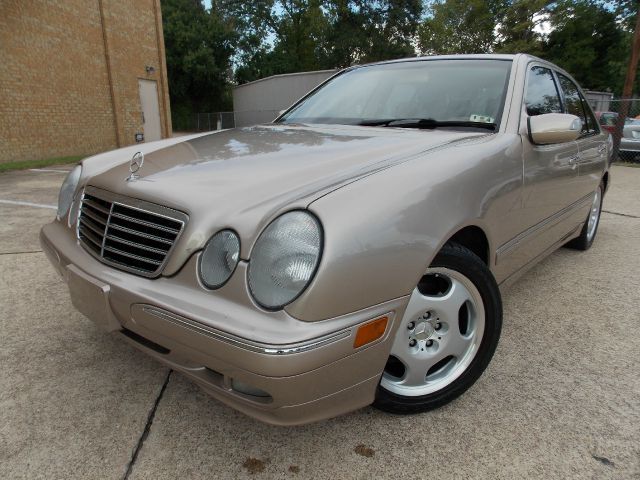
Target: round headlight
284	259
65	197
219	259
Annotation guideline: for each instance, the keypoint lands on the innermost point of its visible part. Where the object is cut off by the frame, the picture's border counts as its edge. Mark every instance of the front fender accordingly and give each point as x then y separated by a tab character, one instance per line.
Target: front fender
383	231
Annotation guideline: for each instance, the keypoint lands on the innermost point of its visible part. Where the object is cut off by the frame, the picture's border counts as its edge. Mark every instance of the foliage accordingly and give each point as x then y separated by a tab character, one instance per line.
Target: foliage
458	26
626	11
589	38
299	35
199	45
235	41
587	42
368	31
517	22
277	37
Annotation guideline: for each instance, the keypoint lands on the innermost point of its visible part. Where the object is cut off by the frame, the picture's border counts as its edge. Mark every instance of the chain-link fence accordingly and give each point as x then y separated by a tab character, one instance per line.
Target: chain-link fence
206	122
629	150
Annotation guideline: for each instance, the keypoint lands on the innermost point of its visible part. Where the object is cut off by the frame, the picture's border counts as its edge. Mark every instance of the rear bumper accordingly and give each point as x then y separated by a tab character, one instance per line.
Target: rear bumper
266	364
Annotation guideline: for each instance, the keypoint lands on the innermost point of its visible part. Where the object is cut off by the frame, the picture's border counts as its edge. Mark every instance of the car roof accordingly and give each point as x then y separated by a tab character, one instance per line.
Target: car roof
515	57
488	56
472	56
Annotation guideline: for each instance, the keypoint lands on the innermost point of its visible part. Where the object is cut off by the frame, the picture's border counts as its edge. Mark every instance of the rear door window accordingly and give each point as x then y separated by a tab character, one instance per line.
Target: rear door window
573	101
542	94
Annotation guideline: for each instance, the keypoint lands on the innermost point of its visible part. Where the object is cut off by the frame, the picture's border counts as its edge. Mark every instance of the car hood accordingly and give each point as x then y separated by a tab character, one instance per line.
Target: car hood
242	178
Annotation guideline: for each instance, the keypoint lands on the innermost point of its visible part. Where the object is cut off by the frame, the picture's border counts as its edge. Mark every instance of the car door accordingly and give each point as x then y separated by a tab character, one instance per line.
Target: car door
549	175
592	145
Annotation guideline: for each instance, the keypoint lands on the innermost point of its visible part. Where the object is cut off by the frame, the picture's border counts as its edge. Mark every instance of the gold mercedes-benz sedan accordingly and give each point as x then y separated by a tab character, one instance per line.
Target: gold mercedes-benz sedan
350	252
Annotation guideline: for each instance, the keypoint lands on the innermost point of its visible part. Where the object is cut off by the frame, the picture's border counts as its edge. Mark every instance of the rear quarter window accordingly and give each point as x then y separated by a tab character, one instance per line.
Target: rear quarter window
572	100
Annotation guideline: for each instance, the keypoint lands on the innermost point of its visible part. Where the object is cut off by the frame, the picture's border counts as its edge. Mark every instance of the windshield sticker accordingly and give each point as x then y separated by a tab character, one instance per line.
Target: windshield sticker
481	118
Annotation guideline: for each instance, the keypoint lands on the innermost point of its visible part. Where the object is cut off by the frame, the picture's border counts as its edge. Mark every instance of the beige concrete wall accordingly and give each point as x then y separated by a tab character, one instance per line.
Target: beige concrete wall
69	75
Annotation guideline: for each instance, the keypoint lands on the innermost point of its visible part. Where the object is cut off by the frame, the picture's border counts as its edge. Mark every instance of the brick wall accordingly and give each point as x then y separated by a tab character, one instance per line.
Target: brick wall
69	73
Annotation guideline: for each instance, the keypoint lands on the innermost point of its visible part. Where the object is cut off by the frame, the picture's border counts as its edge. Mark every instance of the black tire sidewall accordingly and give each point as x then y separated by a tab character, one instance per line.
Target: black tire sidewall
462	260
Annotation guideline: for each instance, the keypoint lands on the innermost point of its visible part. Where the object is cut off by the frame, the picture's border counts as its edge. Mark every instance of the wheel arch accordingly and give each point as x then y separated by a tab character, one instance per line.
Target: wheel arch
475	239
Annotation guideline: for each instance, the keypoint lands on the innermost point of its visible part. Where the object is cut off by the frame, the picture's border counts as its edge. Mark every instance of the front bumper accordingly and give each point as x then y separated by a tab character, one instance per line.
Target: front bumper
268	365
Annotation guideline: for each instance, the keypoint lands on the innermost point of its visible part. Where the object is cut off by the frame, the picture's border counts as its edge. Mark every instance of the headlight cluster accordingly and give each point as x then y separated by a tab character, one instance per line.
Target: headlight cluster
65	197
283	261
219	259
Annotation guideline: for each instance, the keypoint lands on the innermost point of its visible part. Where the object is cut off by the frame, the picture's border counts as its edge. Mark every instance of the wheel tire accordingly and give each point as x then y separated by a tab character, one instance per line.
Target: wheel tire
588	235
456	258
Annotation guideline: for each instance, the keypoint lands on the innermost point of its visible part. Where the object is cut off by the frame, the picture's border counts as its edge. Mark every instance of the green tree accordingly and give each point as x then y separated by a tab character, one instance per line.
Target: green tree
298	35
587	41
199	45
517	22
299	30
458	26
277	36
589	38
362	31
392	28
626	11
626	14
475	26
345	36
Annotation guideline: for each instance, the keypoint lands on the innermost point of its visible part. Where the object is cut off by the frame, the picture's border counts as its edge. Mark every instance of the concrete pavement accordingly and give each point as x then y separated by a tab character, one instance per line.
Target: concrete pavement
561	398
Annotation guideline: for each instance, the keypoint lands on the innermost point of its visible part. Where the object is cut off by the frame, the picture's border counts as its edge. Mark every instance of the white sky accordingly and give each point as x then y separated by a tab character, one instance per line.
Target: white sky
544	27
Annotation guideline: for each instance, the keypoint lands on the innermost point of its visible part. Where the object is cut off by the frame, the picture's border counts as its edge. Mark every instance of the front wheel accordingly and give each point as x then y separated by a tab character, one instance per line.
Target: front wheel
447	335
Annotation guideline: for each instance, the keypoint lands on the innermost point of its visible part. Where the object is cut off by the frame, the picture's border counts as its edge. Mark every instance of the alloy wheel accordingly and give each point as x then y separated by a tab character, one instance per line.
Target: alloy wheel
594	214
439	337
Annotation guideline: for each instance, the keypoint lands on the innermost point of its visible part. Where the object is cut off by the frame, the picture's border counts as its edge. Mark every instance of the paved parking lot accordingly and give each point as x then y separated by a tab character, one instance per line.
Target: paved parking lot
561	398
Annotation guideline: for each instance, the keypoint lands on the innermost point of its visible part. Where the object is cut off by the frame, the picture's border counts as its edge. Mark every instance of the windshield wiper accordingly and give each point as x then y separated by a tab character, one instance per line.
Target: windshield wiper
426	123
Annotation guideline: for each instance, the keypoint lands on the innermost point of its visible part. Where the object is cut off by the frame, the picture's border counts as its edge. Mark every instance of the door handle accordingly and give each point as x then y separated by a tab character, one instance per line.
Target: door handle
574	158
602	149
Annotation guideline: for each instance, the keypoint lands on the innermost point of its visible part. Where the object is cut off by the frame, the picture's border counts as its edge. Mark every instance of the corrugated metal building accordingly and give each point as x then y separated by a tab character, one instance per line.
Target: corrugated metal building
262	100
599	101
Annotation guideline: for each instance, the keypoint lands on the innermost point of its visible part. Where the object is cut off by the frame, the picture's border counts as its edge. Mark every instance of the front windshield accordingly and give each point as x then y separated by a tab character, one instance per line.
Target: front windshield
462	91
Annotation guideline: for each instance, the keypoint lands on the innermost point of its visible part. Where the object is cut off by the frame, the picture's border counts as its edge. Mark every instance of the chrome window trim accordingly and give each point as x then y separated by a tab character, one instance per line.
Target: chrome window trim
245	344
135	204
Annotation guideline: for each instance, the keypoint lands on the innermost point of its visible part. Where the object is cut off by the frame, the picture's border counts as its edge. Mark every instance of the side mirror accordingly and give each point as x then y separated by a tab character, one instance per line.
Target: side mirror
554	128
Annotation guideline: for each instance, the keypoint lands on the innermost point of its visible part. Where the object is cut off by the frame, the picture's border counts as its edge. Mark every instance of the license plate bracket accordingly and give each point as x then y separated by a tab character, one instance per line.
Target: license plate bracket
91	298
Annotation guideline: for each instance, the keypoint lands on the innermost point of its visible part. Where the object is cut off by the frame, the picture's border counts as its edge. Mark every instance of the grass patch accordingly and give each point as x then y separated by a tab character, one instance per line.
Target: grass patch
7	167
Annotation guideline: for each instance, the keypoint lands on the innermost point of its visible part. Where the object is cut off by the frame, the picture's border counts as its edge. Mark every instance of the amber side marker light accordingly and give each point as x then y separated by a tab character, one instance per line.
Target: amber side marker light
370	331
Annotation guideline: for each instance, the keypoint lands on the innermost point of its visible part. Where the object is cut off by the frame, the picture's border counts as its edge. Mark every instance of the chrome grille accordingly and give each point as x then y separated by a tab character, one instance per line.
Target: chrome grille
127	233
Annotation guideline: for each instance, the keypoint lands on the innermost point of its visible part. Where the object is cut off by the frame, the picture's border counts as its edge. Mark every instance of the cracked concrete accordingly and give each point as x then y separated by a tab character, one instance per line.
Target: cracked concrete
559	400
621	214
147	427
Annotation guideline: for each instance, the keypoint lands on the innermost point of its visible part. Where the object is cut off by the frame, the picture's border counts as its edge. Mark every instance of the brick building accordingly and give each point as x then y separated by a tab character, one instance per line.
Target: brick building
80	76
